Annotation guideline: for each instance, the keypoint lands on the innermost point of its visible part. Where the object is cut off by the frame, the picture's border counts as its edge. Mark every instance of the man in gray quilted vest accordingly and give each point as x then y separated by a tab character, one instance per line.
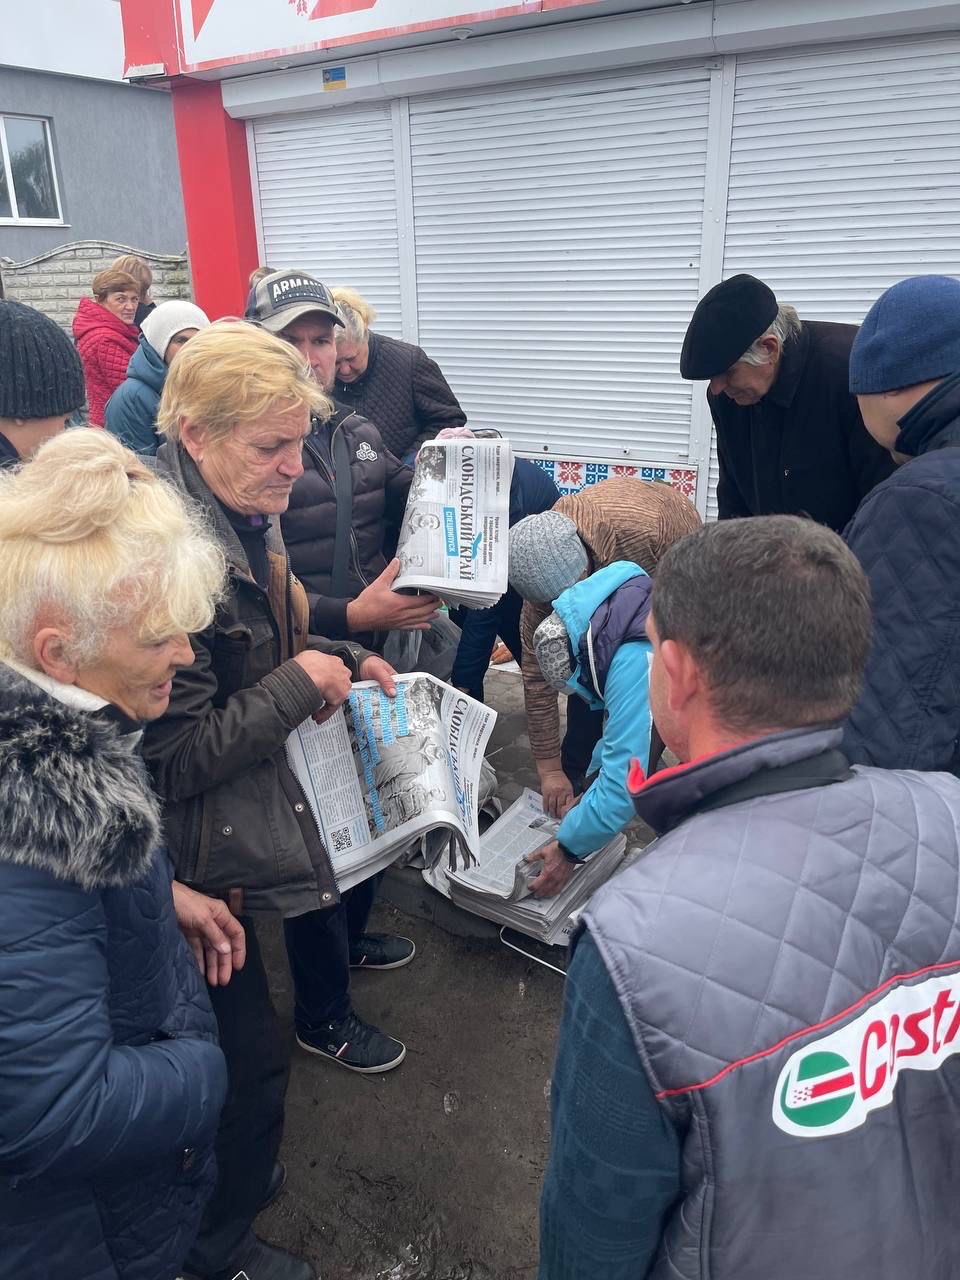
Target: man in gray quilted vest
757	1075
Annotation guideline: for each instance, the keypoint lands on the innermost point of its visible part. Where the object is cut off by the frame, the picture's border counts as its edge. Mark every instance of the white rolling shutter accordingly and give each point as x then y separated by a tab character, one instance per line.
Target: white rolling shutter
328	201
558	231
845	173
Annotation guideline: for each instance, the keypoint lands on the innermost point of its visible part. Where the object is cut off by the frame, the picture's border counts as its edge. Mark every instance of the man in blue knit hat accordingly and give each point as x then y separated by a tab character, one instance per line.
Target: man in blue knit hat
905	372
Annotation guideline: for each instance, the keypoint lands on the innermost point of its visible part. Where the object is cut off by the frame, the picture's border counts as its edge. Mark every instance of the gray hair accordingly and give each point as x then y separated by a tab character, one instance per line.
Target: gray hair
786	325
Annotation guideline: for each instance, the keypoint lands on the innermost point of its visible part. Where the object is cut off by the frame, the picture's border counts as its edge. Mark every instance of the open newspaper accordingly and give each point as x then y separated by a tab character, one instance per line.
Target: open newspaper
455	534
385	771
498	886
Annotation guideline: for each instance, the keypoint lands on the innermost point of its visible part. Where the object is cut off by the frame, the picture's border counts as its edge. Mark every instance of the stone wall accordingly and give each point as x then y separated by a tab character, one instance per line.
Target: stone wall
55	281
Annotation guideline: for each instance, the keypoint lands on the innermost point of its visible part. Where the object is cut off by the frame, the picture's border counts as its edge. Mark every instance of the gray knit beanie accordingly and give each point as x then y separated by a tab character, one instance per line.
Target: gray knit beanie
551	647
167	320
40	371
546	556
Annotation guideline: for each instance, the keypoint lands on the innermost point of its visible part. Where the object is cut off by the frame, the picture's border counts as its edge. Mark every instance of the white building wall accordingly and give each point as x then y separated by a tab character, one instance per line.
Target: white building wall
547	240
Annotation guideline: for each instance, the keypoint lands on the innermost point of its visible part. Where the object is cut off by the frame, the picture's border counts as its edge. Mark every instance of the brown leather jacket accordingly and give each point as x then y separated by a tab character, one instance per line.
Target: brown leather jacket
235	815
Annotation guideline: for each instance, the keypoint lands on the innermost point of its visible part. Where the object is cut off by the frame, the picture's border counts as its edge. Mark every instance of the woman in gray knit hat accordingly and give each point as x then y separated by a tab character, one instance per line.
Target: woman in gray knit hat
41	381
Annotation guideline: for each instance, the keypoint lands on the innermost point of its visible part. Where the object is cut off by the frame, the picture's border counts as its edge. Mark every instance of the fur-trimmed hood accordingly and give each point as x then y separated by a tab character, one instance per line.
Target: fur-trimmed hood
75	798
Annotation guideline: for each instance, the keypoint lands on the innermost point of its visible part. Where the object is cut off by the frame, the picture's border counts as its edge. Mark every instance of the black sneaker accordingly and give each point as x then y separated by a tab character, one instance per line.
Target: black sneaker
260	1261
381	951
354	1044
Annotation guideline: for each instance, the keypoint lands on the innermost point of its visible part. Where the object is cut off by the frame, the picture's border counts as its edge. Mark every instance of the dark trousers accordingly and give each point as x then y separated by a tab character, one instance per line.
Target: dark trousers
318	947
584	731
251	1125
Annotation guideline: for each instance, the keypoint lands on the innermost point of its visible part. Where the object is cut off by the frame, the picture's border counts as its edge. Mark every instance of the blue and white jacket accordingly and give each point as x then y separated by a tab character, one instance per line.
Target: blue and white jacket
606	807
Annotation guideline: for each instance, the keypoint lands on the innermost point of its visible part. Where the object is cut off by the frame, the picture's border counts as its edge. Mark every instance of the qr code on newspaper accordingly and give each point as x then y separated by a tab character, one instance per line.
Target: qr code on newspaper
342	840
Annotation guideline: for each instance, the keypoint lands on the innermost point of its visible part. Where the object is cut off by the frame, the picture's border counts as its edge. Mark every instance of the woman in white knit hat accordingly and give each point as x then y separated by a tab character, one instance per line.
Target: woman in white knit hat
132	409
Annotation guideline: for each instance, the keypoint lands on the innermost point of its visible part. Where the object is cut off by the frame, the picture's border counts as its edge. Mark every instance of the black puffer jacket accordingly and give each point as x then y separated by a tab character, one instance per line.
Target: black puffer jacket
378	494
110	1079
404	393
906	534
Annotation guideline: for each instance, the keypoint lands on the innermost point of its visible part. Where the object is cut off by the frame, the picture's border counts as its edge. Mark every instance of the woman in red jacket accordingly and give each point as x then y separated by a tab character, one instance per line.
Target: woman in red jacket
106	336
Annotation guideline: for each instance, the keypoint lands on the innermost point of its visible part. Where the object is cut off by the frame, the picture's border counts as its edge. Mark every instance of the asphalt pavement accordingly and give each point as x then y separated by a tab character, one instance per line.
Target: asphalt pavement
431	1171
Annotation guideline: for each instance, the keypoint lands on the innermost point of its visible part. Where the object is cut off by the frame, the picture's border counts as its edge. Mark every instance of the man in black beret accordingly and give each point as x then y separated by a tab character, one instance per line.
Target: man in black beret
790	439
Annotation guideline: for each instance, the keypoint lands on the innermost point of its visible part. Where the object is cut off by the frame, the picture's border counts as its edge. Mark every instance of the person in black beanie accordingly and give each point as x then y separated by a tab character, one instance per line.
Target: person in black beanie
41	381
790	439
905	373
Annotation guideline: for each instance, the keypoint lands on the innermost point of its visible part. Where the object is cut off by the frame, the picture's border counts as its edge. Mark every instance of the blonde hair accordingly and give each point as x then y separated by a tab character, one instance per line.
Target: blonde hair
358	314
234	373
93	536
136	267
113	281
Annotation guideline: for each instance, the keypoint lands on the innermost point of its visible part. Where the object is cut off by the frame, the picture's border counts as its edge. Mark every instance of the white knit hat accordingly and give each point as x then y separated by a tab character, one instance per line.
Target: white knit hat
167	320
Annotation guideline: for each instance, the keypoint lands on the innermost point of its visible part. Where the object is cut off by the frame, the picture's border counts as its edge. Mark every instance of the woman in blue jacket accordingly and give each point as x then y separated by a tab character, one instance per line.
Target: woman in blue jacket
111	1081
594	647
132	409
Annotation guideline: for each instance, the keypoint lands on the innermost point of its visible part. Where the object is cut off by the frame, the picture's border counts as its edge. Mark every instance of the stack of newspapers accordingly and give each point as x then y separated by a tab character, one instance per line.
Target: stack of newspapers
497	887
382	773
456	528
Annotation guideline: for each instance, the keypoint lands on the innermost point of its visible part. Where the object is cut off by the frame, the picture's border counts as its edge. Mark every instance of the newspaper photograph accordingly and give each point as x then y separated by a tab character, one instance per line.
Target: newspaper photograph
385	771
454	539
498	886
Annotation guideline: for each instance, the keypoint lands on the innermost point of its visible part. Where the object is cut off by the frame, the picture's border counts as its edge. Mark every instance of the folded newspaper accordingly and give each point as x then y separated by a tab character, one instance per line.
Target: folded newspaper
385	771
455	534
498	886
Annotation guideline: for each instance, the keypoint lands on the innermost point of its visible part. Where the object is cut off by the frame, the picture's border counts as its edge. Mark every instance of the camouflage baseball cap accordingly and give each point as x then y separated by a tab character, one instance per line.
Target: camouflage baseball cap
284	296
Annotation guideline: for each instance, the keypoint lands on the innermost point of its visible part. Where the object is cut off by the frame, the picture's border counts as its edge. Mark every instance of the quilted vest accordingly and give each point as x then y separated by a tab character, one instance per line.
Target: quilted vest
790	968
617	620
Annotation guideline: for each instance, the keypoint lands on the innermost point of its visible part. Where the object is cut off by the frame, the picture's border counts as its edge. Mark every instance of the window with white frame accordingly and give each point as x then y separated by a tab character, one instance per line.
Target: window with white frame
28	181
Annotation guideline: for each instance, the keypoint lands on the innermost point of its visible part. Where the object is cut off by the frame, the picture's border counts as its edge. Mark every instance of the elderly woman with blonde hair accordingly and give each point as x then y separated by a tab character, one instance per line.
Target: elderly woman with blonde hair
111	1082
235	411
395	384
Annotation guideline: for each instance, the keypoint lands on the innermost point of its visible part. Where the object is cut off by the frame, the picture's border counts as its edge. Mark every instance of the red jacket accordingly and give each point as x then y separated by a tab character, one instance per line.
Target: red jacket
105	344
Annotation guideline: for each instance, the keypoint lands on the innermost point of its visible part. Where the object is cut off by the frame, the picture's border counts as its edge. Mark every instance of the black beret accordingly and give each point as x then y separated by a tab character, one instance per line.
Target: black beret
727	321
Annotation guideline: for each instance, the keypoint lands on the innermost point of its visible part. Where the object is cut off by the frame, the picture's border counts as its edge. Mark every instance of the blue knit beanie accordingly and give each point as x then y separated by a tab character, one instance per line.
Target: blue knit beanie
911	334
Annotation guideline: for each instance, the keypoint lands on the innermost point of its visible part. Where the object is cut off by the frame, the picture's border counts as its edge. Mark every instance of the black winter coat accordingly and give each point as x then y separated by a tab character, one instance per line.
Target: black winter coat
8	454
111	1082
803	450
379	483
906	535
404	393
